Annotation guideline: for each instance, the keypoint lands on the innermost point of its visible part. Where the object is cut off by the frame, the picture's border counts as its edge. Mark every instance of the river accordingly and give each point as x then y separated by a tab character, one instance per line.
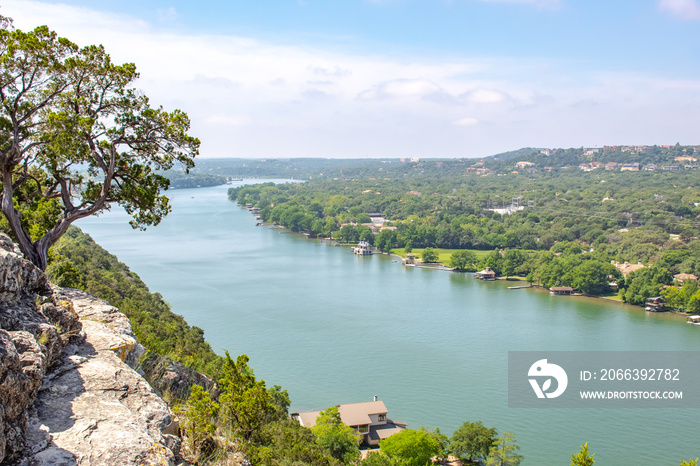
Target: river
331	327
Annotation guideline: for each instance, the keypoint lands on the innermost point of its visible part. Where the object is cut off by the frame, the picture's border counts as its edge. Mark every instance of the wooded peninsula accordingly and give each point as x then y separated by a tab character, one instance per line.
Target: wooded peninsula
617	221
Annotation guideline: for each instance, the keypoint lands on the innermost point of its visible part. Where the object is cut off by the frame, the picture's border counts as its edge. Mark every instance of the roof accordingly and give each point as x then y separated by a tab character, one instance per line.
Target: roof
308	418
561	288
694	317
357	414
685	276
352	414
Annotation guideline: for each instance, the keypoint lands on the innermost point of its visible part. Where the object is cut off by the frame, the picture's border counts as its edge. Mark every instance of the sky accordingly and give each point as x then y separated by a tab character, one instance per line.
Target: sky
402	78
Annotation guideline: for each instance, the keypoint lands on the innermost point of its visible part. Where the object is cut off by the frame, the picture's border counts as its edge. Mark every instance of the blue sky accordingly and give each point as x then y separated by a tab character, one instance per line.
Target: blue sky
395	78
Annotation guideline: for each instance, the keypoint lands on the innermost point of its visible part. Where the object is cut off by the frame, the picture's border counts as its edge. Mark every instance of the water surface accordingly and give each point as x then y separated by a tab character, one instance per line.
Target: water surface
331	328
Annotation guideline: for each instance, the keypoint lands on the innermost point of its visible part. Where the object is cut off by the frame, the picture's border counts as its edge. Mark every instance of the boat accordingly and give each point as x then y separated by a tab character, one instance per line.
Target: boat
693	320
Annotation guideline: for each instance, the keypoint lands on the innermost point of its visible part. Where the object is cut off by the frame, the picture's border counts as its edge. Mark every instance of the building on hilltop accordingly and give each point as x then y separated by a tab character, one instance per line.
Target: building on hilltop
368	419
627	268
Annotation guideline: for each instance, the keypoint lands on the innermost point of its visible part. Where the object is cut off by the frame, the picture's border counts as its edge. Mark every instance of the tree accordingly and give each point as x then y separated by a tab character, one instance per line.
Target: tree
503	452
377	458
337	438
245	405
512	259
582	458
199	416
472	440
693	305
462	260
385	240
429	255
410	447
689	462
72	113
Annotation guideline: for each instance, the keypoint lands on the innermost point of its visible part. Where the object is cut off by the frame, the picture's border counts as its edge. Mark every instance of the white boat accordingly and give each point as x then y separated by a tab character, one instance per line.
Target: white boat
694	320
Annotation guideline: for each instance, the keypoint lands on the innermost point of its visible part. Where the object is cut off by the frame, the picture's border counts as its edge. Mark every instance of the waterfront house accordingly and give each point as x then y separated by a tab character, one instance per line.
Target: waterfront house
410	259
368	419
561	290
486	274
655	304
363	248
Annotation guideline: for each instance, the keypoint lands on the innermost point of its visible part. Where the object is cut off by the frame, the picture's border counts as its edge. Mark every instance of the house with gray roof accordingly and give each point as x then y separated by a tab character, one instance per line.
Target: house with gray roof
368	419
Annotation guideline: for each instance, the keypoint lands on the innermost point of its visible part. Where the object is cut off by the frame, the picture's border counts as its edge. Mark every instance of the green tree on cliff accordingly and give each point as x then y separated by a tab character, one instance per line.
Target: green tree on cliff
71	113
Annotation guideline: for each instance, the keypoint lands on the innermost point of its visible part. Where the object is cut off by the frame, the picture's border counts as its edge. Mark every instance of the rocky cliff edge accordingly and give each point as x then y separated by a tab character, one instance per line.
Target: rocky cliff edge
68	390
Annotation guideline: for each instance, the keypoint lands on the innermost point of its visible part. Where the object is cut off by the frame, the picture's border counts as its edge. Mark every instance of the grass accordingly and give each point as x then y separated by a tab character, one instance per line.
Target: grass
443	254
613	295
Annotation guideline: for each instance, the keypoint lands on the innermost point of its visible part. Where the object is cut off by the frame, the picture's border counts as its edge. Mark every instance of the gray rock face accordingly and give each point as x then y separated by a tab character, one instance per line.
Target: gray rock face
172	377
68	395
33	333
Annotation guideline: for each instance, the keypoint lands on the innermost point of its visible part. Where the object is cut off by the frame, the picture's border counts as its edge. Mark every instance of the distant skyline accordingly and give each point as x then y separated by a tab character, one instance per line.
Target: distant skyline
402	78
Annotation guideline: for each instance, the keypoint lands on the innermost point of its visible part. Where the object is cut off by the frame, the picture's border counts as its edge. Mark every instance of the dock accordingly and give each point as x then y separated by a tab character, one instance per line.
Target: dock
519	287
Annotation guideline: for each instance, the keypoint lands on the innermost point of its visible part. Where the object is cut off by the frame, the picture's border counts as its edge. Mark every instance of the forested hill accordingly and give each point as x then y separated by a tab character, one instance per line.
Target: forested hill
412	167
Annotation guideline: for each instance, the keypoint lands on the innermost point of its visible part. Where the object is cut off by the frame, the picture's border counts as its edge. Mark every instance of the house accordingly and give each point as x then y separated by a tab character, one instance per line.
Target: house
671	168
630	167
486	274
363	248
561	290
681	277
611	166
410	259
649	167
627	268
369	419
655	304
524	164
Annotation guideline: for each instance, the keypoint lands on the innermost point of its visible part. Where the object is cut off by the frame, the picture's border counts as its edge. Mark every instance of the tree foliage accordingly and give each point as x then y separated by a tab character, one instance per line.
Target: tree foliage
199	416
410	447
71	112
463	261
583	457
504	452
472	440
429	255
335	437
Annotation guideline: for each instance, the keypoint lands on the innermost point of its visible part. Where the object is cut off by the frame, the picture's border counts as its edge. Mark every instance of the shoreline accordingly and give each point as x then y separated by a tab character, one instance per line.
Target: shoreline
442	267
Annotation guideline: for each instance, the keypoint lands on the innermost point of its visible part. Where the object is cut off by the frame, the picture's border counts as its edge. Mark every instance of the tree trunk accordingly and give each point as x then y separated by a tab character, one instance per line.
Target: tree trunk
14	218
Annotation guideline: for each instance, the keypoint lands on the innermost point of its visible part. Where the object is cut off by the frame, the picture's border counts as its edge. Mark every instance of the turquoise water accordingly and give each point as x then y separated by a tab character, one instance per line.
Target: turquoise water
331	328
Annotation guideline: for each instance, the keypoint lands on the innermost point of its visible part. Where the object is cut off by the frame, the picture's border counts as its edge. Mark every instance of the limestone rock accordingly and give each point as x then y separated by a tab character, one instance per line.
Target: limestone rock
67	392
173	378
30	342
98	411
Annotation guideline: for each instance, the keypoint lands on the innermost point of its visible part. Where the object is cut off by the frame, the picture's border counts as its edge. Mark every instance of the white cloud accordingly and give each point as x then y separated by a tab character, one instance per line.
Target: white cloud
228	120
250	98
401	88
467	121
485	96
681	9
